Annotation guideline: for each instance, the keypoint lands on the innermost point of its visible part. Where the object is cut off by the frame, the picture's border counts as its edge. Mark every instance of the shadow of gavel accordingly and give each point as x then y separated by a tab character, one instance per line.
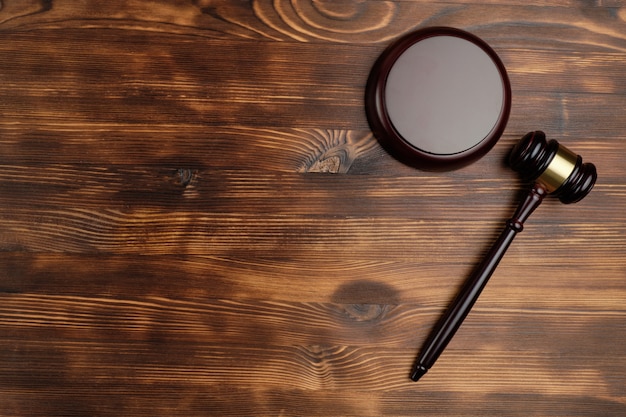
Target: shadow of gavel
555	170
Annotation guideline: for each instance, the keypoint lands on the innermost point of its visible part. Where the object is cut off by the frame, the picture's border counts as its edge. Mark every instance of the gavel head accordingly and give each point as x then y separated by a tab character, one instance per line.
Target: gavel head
560	171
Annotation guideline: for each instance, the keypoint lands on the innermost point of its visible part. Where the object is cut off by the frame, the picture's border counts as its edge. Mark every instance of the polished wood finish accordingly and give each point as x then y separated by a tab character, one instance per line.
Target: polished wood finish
195	218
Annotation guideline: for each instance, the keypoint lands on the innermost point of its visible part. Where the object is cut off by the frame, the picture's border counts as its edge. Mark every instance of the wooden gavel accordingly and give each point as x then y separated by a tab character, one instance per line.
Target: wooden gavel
556	170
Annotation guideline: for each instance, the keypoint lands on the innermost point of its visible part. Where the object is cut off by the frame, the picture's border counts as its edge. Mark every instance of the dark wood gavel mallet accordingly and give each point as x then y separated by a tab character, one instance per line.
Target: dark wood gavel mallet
555	170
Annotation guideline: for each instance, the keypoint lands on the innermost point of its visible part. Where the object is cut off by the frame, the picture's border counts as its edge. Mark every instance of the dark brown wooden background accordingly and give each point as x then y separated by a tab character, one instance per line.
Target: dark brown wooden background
196	220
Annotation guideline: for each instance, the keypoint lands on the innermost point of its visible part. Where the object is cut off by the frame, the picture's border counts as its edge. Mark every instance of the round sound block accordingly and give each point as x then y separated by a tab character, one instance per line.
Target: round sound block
438	98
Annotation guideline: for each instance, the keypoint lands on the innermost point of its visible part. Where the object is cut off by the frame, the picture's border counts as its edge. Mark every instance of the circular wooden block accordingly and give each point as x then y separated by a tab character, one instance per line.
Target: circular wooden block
438	98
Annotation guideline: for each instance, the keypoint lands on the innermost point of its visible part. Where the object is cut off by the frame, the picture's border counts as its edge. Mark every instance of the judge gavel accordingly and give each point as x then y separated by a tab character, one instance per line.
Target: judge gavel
555	170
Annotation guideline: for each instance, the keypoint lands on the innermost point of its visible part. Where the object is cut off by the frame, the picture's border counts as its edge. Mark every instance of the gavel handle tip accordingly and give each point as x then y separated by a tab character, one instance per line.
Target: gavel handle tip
418	372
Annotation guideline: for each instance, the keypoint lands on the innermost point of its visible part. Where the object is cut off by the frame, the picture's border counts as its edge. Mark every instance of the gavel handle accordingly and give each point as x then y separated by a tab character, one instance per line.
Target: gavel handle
461	306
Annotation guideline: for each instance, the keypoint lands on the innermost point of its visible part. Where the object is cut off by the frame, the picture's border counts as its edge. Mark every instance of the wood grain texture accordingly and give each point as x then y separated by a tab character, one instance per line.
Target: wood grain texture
195	218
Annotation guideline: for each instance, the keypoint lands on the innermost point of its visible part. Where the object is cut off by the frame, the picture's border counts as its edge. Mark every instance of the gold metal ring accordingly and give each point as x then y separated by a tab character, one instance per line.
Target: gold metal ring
559	169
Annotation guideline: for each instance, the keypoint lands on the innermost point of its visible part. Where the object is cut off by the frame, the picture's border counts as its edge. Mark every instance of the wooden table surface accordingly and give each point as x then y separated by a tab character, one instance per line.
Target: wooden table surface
195	218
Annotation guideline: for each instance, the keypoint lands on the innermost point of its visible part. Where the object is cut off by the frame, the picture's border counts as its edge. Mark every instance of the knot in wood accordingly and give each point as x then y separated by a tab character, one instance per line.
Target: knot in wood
365	312
185	176
333	161
330	164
